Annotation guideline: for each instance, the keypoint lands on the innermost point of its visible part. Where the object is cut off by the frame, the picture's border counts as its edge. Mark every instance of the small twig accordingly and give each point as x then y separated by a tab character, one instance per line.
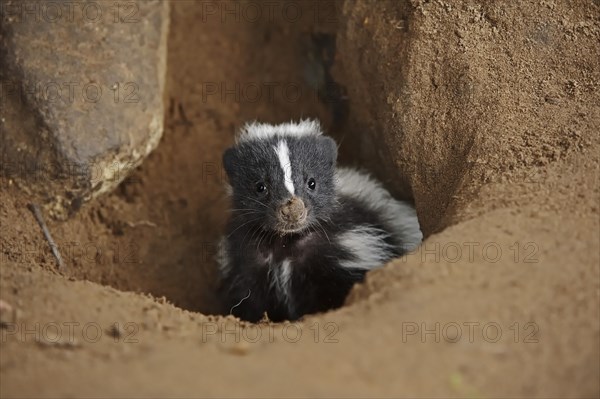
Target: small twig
40	219
184	120
240	302
141	223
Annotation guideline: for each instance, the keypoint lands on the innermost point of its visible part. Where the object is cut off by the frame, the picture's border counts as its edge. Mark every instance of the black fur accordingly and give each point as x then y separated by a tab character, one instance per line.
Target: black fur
255	247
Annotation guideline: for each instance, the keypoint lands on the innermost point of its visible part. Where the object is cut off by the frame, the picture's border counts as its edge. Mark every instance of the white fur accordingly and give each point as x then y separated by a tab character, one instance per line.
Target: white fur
223	260
399	216
261	131
283	153
285	275
367	244
280	280
228	189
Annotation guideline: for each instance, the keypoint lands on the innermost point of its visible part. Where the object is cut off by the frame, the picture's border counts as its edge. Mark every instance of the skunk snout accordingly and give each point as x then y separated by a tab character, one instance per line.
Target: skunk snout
293	211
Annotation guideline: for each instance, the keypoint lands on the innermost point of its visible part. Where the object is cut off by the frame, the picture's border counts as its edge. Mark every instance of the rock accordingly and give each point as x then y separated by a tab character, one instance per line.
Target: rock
81	95
7	314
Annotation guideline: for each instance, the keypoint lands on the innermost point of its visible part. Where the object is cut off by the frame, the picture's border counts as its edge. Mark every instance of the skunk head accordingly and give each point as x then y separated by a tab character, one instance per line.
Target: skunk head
282	176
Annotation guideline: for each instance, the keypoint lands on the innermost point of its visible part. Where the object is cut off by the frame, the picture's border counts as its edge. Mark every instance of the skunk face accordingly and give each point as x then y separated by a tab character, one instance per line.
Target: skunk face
282	182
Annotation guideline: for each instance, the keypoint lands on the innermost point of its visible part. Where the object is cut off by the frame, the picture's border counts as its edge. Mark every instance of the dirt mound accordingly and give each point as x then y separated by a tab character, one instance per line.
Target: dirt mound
486	116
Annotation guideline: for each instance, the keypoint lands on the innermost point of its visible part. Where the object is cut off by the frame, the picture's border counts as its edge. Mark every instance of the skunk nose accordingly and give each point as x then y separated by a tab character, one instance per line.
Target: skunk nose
293	210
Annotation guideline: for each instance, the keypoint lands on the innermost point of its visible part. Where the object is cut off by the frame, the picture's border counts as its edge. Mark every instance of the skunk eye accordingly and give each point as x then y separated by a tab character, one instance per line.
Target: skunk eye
311	183
260	187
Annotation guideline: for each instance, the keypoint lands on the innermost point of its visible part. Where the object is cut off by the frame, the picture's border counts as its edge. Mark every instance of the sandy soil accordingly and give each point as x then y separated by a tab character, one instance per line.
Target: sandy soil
502	300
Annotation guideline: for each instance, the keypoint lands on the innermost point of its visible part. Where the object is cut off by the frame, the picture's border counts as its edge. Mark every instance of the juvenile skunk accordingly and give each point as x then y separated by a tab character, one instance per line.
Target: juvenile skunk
302	231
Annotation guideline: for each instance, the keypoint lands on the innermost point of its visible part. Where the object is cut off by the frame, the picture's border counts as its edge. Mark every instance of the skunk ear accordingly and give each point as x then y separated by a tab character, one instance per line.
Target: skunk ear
230	161
329	148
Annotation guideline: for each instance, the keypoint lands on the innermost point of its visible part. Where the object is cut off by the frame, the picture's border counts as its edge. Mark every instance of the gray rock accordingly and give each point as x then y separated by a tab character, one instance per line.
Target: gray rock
81	95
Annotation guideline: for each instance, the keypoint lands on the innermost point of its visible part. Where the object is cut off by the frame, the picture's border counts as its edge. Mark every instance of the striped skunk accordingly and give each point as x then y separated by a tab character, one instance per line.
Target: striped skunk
302	231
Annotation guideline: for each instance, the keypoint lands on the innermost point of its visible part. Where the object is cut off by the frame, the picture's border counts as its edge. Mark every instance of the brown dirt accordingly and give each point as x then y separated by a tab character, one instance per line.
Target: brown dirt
488	117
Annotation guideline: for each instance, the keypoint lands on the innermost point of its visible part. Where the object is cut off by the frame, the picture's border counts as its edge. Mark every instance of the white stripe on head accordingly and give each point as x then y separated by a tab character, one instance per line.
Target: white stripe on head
283	153
263	131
